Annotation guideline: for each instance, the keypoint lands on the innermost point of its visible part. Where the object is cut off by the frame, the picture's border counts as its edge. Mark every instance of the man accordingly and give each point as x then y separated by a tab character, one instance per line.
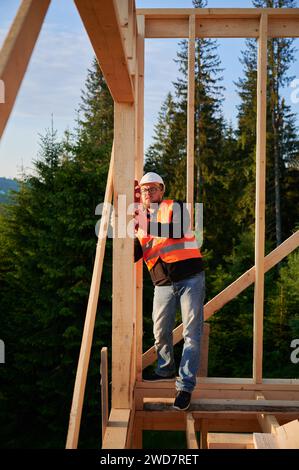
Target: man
170	251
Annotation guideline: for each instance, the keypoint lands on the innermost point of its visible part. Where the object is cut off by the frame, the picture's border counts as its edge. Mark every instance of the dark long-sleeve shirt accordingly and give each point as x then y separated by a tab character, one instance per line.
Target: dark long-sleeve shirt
162	273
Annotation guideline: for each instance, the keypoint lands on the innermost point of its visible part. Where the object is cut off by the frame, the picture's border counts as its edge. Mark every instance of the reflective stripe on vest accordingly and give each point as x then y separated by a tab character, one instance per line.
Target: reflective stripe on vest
177	246
168	249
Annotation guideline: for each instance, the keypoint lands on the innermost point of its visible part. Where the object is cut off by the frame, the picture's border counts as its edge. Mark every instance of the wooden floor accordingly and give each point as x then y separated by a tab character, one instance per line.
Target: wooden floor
228	413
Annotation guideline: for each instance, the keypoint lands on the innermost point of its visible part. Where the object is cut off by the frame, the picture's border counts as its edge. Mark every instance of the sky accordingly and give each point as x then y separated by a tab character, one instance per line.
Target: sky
58	69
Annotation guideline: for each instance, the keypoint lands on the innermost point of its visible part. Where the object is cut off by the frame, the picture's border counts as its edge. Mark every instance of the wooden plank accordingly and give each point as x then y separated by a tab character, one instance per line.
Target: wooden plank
264	441
127	18
216	13
149	394
104	390
204	428
84	357
129	440
241	423
123	15
234	289
219	28
139	89
137	433
232	421
268	423
102	24
223	28
260	201
204	351
190	432
162	421
131	49
205	27
288	435
190	119
246	279
225	405
17	50
231	383
229	441
117	429
280	28
124	289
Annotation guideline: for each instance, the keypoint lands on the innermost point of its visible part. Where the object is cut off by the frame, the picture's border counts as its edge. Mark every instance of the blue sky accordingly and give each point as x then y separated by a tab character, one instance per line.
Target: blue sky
58	69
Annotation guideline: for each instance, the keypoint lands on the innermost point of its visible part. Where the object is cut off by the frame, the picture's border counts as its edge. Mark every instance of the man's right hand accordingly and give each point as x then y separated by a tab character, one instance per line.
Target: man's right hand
140	217
137	192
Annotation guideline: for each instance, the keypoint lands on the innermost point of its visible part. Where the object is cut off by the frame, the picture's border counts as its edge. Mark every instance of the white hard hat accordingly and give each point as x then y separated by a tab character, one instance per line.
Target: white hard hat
151	177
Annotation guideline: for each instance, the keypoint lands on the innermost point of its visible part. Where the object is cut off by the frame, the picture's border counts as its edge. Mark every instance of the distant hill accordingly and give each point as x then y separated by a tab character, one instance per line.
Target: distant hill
7	185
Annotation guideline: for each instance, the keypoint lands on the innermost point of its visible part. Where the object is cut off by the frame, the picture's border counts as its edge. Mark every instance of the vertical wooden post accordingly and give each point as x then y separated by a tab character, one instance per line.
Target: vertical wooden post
260	199
204	351
139	88
123	265
190	117
104	390
204	429
190	432
137	434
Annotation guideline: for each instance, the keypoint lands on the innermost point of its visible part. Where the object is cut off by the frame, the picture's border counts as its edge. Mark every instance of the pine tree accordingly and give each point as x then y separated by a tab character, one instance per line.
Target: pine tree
48	243
282	142
95	114
213	157
208	100
164	155
282	321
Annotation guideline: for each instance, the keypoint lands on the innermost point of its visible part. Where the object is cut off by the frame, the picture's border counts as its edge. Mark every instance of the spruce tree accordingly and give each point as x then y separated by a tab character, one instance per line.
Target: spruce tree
164	155
282	141
213	157
48	243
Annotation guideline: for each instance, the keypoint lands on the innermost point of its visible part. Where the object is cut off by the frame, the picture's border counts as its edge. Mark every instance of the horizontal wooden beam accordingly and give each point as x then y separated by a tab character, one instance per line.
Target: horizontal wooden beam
217	440
183	13
231	291
225	405
224	421
101	21
220	28
218	390
229	383
17	50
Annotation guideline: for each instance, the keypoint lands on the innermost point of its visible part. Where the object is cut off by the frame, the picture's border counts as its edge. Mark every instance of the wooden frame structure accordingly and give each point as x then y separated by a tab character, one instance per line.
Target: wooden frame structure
117	33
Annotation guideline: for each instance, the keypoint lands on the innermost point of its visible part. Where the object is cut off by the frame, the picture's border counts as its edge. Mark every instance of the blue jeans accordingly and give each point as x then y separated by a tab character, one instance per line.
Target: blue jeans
189	294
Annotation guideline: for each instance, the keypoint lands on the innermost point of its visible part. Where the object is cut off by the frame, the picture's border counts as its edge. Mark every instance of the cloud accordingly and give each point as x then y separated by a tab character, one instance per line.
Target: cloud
56	74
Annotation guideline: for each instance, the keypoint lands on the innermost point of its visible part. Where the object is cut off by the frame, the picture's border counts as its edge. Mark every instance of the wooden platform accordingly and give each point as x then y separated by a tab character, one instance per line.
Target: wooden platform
253	406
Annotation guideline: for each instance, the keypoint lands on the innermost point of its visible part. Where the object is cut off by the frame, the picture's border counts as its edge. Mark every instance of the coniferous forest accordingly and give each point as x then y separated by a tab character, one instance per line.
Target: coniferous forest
48	241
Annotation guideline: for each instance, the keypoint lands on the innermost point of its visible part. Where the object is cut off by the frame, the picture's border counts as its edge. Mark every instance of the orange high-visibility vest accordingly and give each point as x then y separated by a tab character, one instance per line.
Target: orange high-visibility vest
168	249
